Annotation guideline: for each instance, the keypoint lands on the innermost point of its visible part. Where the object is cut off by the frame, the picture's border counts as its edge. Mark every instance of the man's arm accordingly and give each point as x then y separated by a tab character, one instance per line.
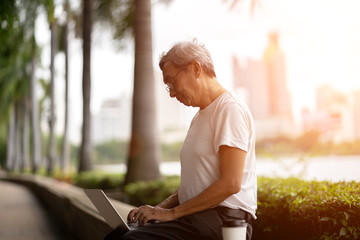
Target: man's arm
170	202
232	162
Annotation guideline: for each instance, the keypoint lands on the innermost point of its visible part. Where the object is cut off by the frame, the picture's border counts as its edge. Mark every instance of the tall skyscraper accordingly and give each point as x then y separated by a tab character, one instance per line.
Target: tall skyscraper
265	87
251	77
274	58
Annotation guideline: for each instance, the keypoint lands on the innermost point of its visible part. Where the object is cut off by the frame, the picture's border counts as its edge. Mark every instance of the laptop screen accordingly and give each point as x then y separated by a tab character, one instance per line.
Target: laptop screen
106	209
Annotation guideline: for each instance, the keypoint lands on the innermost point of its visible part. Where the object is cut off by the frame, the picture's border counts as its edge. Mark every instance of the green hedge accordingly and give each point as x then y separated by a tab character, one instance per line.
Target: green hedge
287	208
152	192
98	180
307	210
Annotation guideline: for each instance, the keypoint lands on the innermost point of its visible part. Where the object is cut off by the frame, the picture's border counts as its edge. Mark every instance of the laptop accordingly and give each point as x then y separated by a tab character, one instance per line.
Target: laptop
107	210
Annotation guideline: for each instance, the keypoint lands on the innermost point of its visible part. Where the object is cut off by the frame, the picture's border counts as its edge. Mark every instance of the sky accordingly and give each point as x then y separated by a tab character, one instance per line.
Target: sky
320	40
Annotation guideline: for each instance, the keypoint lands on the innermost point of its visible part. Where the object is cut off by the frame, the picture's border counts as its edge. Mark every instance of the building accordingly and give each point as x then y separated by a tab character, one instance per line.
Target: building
113	121
174	117
356	110
336	117
262	83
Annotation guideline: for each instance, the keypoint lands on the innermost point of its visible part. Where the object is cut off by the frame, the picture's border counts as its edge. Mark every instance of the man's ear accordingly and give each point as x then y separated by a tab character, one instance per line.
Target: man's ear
196	69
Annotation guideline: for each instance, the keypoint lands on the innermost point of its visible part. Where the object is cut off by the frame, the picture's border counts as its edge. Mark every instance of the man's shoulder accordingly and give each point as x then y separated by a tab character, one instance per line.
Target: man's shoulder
231	102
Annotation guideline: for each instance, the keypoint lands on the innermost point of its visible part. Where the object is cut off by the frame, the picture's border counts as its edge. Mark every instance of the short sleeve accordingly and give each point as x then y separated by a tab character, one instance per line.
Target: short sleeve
231	126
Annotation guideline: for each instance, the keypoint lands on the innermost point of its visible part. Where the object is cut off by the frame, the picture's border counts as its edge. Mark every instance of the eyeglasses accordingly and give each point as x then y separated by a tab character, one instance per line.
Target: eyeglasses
170	84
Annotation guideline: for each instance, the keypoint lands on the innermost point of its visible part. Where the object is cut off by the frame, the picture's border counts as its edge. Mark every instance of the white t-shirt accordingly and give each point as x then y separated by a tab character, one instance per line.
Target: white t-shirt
226	121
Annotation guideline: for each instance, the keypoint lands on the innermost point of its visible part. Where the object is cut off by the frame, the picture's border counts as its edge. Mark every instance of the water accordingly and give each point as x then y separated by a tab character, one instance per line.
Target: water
166	168
331	168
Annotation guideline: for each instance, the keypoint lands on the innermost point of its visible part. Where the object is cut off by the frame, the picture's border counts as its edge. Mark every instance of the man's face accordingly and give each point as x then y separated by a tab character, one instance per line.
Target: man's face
180	84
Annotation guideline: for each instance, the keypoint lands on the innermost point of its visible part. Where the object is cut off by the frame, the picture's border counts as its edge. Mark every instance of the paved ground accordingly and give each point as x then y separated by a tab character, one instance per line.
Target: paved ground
22	217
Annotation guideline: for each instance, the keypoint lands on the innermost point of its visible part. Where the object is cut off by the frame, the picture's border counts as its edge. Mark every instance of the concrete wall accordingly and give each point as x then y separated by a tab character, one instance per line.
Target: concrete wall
70	207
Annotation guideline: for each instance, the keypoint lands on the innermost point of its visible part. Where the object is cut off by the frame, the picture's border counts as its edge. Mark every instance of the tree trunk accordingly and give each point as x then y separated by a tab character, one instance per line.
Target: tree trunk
17	155
24	163
36	144
10	147
52	117
85	163
144	152
65	144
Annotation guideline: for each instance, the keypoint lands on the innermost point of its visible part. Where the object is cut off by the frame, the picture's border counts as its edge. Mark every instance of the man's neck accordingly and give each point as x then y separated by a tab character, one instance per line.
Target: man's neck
212	91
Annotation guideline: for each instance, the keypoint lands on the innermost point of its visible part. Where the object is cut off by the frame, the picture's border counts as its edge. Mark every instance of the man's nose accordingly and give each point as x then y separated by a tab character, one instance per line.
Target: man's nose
172	92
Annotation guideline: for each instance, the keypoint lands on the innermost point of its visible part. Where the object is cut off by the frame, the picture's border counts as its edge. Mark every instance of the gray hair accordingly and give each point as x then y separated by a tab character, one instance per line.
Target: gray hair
185	53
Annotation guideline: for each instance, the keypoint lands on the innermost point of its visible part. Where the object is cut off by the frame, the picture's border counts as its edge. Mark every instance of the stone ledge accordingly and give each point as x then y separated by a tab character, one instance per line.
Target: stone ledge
70	206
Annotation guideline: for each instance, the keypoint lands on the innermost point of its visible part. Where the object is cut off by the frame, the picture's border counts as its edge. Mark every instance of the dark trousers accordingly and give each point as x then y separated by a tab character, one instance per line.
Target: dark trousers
204	225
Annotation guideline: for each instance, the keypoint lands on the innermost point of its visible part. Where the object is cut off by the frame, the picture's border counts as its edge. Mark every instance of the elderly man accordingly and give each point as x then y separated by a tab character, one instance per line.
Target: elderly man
218	172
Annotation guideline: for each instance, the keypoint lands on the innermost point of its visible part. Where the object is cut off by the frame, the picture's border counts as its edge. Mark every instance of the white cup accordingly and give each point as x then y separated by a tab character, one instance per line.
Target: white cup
234	230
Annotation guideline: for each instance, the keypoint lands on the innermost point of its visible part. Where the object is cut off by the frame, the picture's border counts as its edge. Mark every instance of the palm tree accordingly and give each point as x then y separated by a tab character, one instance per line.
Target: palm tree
52	117
133	19
16	49
104	12
35	136
65	145
24	163
10	147
50	9
21	110
10	37
85	163
144	152
17	156
28	96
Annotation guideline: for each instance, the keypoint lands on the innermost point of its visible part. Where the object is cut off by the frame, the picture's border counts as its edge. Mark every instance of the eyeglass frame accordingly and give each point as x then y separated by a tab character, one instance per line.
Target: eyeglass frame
170	84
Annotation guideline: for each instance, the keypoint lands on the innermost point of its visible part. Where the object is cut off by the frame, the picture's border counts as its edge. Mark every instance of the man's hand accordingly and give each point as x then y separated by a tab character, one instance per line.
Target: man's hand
147	213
